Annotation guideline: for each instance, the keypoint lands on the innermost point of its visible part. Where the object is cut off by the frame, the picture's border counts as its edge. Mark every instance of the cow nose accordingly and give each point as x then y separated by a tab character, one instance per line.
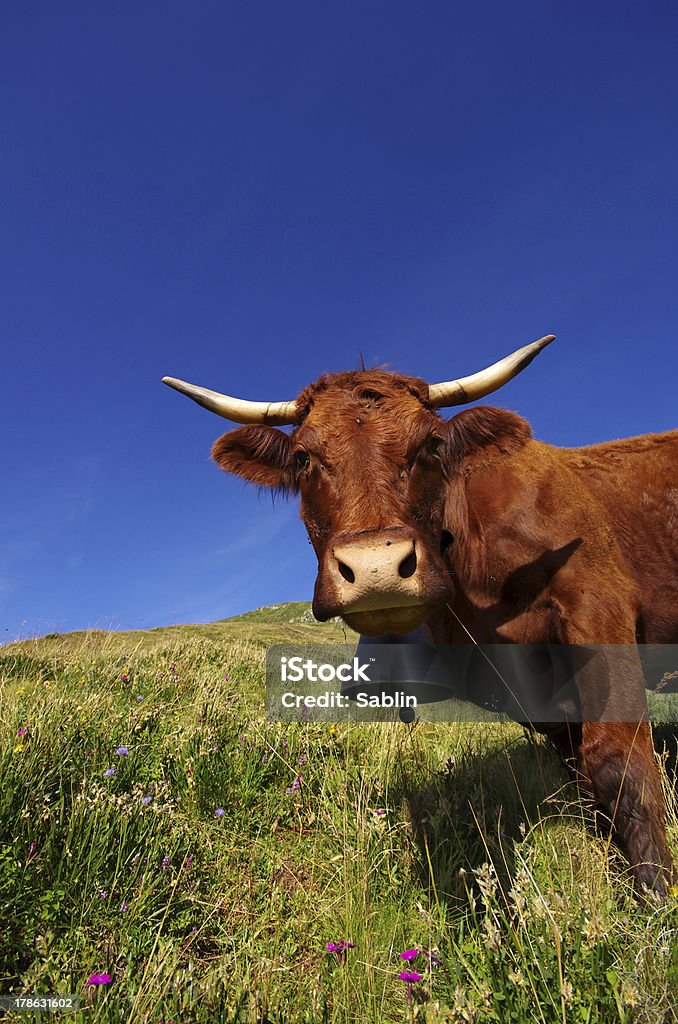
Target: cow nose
376	565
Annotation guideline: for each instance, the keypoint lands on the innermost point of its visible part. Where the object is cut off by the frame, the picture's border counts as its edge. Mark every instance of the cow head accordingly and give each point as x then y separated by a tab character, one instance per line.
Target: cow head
368	455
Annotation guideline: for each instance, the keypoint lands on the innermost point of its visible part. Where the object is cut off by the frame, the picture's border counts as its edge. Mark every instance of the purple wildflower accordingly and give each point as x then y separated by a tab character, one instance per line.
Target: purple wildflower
22	732
410	978
189	861
122	751
226	678
295	785
124	679
109	772
165	863
140	696
99	979
31	851
146	800
303	759
409	954
103	895
340	949
124	906
432	957
219	813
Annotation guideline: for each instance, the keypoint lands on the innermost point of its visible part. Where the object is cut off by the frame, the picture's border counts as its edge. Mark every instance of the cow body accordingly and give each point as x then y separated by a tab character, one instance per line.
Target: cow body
485	535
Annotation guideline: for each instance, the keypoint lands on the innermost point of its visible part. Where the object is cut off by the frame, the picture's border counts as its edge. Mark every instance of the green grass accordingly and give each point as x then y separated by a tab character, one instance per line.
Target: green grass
463	839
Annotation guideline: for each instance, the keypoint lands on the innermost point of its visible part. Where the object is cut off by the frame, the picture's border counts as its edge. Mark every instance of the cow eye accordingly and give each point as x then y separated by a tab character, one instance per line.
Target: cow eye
433	445
302	460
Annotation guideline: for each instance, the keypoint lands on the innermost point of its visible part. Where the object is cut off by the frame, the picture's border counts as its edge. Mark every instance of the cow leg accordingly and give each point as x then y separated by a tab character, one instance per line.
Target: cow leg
617	758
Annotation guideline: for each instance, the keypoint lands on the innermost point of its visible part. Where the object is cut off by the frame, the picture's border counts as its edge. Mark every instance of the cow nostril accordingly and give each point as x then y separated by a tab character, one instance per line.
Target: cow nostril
408	566
346	572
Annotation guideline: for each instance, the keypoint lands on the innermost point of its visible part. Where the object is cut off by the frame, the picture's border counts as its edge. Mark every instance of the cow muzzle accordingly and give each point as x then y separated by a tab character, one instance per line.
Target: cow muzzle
379	581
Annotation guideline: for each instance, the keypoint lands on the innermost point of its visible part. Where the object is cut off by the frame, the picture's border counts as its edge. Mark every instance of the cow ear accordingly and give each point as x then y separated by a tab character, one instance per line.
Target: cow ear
259	454
484	426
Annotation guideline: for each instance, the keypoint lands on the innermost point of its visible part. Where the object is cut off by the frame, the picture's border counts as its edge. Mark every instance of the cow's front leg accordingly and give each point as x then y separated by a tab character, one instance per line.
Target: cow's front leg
617	758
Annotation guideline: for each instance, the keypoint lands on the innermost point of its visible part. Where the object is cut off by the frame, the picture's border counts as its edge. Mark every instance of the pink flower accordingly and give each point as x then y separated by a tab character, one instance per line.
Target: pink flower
409	954
340	949
410	978
99	979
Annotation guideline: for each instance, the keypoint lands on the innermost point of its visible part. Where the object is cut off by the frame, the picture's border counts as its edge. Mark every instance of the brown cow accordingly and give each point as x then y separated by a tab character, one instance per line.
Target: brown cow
477	530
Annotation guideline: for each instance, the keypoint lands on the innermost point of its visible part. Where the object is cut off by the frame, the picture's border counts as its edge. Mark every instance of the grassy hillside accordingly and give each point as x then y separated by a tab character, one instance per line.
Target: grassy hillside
291	622
155	829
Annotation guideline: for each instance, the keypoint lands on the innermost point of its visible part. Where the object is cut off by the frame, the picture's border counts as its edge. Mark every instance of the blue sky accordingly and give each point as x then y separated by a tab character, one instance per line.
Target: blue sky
246	195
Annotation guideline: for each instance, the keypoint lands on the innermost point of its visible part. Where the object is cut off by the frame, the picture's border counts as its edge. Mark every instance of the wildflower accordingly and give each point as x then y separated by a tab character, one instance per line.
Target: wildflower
410	978
409	954
19	748
140	696
22	732
219	813
516	977
109	772
295	785
189	861
486	878
124	679
165	863
99	979
31	852
302	760
122	751
492	934
380	813
227	678
630	995
432	957
103	895
146	800
340	949
593	928
124	906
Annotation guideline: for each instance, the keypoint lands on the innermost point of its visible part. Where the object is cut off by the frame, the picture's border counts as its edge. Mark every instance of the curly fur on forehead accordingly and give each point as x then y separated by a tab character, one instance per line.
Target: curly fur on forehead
361	385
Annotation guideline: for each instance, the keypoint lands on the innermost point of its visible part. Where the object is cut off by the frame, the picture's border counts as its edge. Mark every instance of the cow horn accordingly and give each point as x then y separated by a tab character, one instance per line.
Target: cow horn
236	409
477	385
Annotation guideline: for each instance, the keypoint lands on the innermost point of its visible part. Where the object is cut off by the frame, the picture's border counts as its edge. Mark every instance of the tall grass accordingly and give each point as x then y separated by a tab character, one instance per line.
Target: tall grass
464	842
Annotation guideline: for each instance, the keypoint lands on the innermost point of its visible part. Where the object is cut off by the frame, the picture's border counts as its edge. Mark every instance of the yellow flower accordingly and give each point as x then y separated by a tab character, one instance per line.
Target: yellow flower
18	748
